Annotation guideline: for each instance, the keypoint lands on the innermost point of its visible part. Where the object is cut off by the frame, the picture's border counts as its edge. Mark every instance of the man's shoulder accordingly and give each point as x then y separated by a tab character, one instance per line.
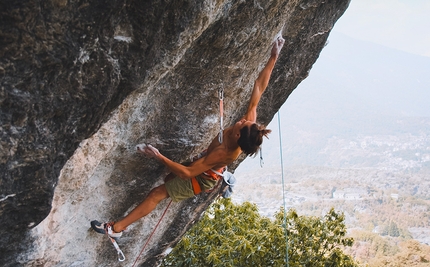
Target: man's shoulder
217	152
221	155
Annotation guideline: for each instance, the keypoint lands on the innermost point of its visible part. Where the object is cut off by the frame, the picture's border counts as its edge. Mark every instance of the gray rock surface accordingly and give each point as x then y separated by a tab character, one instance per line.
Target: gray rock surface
83	82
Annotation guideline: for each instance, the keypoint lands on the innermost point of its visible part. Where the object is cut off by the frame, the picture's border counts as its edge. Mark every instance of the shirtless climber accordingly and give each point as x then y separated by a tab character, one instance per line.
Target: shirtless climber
185	181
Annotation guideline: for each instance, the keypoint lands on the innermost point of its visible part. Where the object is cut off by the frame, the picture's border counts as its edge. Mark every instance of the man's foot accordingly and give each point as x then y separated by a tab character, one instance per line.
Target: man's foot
105	228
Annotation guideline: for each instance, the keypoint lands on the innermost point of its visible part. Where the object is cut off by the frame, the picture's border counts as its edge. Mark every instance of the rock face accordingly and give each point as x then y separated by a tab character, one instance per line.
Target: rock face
83	82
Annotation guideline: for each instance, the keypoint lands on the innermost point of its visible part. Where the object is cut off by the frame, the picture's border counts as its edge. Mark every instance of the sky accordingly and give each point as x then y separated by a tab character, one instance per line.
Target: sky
399	24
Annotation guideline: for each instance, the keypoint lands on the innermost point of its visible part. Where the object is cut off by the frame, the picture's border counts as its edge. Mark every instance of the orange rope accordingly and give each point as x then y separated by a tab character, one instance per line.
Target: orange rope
149	238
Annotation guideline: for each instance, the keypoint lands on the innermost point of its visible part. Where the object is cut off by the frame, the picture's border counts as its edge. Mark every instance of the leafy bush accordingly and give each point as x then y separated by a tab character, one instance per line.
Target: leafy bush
236	235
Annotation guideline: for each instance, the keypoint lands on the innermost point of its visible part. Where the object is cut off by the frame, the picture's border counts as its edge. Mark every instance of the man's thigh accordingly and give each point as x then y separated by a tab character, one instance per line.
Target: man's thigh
179	189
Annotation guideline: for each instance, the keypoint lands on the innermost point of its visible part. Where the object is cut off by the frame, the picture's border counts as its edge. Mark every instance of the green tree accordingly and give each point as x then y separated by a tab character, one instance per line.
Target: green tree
236	235
391	229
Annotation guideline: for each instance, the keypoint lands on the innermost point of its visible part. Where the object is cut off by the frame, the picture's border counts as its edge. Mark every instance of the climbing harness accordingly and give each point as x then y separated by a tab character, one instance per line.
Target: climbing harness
215	174
283	188
221	113
211	174
121	256
153	231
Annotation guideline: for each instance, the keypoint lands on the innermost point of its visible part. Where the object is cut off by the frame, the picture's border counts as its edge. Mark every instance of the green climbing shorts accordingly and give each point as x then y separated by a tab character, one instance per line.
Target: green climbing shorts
180	189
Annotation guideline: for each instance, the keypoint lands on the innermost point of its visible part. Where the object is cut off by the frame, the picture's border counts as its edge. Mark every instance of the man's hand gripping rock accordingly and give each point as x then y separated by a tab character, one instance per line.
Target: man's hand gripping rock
148	151
277	46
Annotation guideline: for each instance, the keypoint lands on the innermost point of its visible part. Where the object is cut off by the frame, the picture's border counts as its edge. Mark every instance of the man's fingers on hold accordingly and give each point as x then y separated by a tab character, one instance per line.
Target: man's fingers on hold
141	147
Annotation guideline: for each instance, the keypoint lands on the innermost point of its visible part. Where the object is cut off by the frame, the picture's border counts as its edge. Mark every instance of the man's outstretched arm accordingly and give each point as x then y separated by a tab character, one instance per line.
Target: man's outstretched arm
262	81
184	172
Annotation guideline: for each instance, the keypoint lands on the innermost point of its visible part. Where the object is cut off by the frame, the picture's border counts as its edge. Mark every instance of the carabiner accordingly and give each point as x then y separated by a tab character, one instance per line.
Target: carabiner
121	256
221	93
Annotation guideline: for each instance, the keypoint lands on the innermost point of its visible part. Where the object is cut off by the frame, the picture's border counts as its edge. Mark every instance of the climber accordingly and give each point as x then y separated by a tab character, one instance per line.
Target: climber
185	181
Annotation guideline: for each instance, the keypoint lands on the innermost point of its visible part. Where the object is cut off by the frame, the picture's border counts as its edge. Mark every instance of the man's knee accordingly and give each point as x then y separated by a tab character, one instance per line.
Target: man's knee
158	193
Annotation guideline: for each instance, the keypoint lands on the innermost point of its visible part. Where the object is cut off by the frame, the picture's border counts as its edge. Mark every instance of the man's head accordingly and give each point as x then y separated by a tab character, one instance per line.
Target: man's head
251	137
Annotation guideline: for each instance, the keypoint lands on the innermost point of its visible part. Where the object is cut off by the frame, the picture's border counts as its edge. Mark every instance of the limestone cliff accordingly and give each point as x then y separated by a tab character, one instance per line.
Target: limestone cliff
83	82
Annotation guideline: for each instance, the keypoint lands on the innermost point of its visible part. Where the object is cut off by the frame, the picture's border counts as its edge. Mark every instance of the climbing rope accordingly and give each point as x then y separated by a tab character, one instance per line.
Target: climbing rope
221	113
261	156
283	188
153	231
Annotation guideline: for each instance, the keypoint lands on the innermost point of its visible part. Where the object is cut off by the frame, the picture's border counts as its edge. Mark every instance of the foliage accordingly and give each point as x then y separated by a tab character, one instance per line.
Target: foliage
391	229
379	251
236	235
316	242
370	245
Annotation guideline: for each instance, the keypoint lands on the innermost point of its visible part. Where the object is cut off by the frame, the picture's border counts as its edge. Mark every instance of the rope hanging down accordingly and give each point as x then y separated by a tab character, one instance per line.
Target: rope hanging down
283	188
153	231
261	156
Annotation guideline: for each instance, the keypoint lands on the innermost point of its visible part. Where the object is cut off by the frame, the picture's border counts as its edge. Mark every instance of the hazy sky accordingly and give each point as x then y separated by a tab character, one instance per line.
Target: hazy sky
399	24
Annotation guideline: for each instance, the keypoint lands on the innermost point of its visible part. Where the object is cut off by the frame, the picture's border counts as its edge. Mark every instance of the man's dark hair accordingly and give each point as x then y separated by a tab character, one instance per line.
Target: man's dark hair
251	138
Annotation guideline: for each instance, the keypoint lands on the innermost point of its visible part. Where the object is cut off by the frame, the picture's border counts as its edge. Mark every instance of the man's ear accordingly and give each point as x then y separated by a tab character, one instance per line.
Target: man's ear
237	135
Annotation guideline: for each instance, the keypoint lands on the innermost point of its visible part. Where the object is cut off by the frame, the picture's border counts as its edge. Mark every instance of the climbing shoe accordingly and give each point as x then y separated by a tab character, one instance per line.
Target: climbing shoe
105	228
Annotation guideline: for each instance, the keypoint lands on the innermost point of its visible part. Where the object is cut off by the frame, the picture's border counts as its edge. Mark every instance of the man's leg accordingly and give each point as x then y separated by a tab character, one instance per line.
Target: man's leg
155	196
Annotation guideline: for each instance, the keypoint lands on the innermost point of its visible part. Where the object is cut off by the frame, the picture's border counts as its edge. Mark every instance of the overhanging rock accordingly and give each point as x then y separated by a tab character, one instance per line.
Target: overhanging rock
83	82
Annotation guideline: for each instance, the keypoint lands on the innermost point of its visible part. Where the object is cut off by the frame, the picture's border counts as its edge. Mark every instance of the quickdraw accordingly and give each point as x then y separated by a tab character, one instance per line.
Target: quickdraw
121	256
221	114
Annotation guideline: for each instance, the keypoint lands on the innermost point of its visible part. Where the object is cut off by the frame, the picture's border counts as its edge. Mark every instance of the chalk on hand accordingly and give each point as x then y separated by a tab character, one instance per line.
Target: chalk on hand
277	36
141	147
